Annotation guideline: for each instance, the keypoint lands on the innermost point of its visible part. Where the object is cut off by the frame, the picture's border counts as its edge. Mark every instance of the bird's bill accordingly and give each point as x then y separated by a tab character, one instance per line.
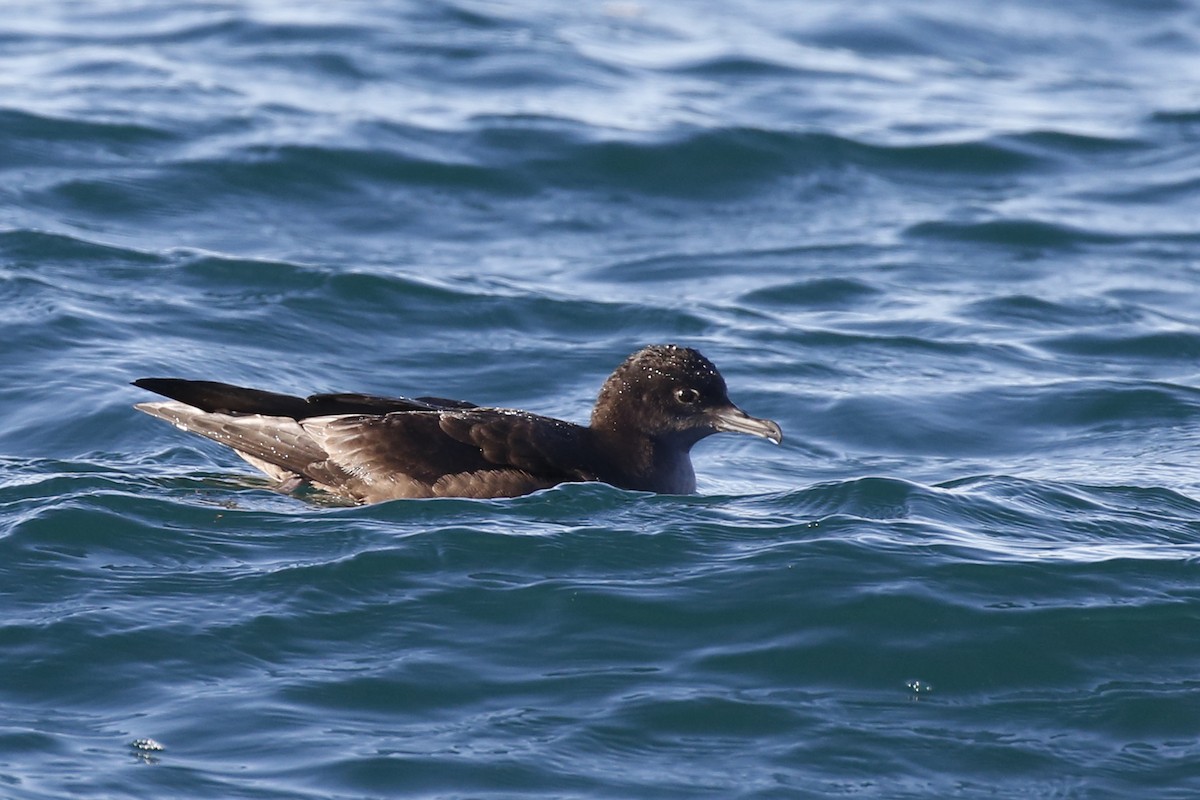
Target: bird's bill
734	420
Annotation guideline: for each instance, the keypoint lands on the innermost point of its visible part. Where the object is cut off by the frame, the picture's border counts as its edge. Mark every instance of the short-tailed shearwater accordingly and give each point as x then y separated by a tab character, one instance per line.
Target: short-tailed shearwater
651	410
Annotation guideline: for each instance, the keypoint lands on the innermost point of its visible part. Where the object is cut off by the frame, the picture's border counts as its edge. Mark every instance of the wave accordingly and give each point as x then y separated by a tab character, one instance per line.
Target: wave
1029	313
1012	233
1182	346
504	160
23	246
816	293
34	140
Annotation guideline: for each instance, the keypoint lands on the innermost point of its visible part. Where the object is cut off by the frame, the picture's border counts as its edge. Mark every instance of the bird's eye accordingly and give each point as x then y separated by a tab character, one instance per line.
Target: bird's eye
687	396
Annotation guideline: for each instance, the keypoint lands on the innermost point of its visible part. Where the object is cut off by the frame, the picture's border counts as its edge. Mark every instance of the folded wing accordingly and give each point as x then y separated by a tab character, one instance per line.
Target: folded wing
469	452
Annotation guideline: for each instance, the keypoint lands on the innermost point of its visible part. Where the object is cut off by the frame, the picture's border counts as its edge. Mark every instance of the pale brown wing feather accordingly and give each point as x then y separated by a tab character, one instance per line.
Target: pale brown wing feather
278	441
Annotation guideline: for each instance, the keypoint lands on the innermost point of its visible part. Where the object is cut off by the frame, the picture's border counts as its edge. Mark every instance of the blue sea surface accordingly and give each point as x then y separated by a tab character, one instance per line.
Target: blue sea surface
952	247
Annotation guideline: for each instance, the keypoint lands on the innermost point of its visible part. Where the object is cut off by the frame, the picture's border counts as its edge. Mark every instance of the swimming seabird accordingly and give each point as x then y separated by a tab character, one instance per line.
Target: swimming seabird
651	410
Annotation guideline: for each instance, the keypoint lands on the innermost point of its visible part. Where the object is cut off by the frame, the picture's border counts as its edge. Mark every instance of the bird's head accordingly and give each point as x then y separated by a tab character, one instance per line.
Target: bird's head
673	393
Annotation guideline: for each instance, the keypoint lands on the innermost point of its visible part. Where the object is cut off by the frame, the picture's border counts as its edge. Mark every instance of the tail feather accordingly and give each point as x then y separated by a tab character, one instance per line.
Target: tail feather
224	398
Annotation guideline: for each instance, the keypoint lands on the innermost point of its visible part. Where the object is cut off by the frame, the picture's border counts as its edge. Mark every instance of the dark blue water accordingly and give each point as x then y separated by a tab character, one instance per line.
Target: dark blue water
951	247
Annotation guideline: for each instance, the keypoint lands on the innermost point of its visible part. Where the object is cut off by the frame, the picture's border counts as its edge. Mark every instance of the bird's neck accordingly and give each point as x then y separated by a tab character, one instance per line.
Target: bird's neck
646	463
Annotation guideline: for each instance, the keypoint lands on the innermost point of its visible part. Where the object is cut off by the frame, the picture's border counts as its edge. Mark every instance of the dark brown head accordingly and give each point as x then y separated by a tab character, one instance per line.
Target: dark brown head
672	394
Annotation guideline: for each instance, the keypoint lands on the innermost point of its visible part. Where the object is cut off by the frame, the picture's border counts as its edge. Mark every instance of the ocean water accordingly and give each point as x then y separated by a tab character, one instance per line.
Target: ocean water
952	247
